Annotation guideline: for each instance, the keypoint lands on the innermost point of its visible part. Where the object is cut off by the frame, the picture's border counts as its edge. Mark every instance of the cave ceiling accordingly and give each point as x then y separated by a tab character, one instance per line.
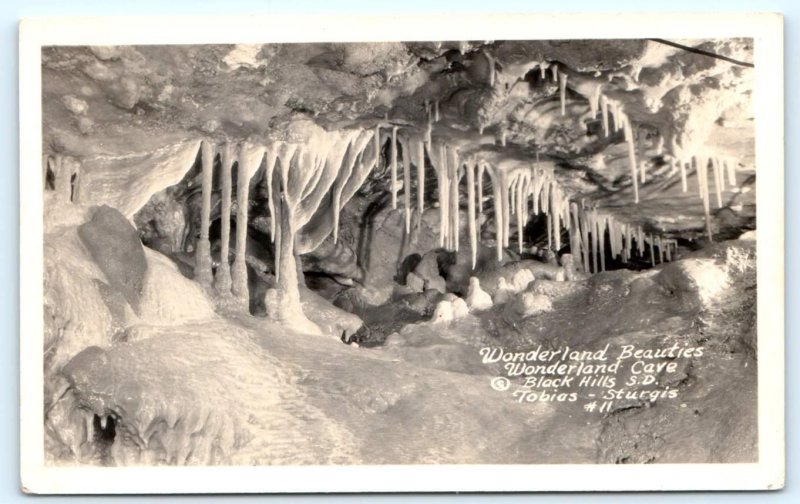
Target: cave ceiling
513	103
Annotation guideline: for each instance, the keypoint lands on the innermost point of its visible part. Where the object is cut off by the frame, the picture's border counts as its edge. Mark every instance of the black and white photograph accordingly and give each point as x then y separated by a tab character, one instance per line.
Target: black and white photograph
403	252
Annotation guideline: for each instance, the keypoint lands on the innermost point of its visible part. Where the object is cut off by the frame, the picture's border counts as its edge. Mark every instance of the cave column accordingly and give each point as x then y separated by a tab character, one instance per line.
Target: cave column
222	281
202	268
239	273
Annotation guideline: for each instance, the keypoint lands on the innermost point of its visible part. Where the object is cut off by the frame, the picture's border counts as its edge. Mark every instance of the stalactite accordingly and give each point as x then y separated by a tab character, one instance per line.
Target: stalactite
660	145
583	222
250	159
419	149
543	70
593	226
641	138
222	280
504	183
454	165
682	166
575	233
497	190
202	270
604	113
520	224
492	70
640	241
393	168
594	101
628	241
407	183
601	241
436	111
554	71
503	137
669	251
562	88
513	195
702	177
556	212
660	245
619	121
627	130
730	167
652	252
717	181
481	168
472	225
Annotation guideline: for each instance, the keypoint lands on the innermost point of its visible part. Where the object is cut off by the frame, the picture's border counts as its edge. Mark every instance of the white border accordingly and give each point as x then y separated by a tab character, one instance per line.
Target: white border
768	473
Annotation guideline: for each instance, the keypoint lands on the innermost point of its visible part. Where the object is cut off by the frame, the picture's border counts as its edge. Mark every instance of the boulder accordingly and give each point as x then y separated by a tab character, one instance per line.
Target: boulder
114	245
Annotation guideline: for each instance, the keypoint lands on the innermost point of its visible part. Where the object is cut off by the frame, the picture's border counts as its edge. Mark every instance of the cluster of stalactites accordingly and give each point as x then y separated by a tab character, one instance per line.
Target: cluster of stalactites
299	178
614	119
589	229
61	174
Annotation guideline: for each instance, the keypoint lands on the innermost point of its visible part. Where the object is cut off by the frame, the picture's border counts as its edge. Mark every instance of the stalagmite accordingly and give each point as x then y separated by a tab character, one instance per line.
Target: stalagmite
222	280
202	269
619	121
627	130
473	237
660	145
503	137
660	245
562	88
669	250
604	112
393	168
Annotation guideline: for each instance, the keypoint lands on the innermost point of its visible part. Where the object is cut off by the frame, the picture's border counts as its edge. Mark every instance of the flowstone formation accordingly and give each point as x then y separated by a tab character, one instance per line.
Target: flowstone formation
423	199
